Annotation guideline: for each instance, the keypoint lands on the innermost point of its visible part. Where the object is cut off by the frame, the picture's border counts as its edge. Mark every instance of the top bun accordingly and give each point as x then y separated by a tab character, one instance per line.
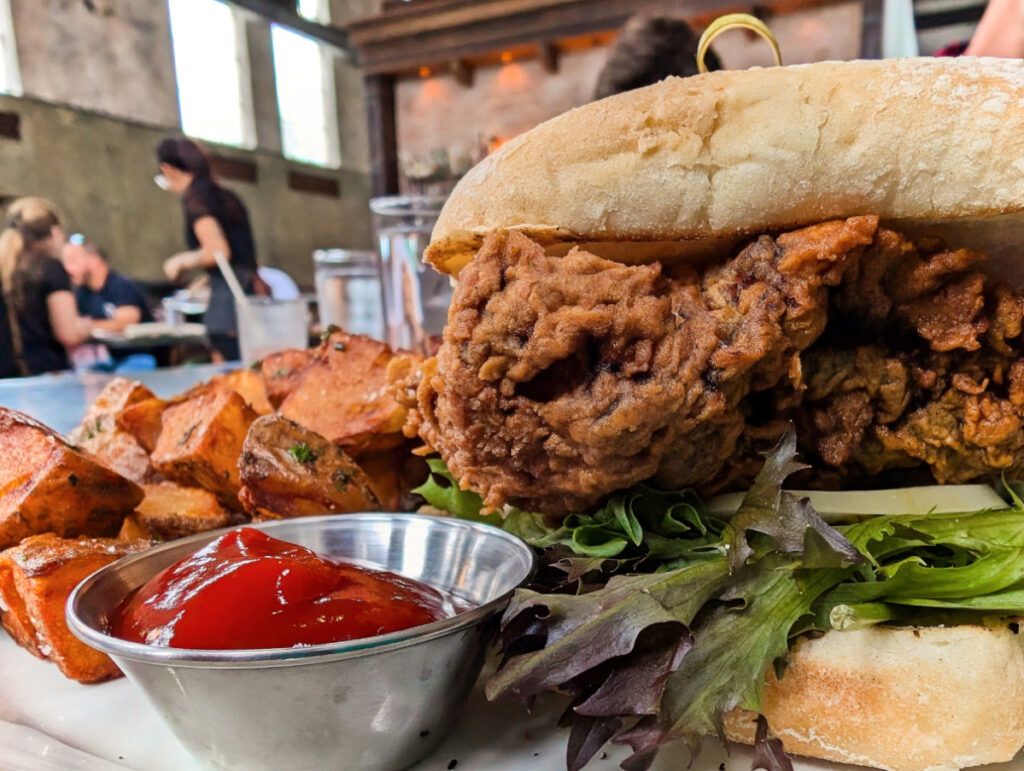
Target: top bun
691	165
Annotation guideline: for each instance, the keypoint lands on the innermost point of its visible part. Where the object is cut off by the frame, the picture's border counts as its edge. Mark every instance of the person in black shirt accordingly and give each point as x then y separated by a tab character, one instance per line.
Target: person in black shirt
104	295
215	221
110	300
42	316
8	362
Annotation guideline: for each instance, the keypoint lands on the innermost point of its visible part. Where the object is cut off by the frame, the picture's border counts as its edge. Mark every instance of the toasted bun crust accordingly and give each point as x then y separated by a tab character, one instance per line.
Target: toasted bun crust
686	167
905	699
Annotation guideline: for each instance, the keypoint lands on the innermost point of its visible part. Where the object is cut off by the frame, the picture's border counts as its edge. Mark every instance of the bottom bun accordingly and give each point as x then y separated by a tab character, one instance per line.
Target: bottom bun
905	699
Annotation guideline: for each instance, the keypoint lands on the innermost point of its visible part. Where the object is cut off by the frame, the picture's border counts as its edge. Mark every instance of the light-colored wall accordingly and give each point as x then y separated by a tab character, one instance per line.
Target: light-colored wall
111	56
99	172
438	113
100	93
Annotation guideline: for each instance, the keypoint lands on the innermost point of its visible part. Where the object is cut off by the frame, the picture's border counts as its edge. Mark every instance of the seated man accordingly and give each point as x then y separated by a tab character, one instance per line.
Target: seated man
112	301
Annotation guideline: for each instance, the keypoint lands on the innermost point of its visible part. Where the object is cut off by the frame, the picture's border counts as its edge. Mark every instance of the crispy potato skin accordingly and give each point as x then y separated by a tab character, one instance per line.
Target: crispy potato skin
245	382
201	441
144	420
343	396
100	434
171	511
47	485
393	475
289	471
36	577
282	372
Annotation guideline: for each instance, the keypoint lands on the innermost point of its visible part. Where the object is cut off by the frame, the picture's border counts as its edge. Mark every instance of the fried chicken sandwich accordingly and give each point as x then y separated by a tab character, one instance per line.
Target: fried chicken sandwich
653	287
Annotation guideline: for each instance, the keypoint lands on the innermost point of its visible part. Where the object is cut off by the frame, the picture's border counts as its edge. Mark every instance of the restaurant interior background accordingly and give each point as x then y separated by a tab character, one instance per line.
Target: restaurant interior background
310	108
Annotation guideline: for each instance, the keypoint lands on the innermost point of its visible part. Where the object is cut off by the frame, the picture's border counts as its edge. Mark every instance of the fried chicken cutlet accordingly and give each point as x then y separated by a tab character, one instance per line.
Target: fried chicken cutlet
563	379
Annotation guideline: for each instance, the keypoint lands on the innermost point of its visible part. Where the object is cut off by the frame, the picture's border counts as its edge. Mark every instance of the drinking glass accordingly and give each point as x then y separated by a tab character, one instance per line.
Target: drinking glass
348	291
267	326
416	297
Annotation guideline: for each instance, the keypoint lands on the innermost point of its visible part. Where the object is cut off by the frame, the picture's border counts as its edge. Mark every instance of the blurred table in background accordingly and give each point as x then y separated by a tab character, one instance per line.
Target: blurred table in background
60	399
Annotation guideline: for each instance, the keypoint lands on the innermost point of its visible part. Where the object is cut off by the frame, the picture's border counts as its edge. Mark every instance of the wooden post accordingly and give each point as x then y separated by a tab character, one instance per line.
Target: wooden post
380	111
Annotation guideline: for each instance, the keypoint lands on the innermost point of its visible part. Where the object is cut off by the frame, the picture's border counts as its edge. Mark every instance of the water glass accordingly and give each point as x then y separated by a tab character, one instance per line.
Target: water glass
416	297
348	291
267	326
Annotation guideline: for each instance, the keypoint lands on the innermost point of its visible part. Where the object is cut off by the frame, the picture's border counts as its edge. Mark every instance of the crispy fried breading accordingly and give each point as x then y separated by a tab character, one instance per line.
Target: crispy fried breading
36	578
289	471
564	379
49	485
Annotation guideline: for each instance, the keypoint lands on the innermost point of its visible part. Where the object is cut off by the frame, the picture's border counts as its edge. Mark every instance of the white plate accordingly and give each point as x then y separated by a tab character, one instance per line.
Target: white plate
64	726
163	329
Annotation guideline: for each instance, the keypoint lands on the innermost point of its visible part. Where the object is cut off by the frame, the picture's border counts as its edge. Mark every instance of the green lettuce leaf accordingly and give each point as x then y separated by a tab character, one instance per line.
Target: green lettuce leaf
669	654
662	653
790	522
583	632
642	522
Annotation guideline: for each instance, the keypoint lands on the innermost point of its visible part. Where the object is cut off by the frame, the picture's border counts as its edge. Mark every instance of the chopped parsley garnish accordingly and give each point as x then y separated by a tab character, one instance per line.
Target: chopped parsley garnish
303	453
340	478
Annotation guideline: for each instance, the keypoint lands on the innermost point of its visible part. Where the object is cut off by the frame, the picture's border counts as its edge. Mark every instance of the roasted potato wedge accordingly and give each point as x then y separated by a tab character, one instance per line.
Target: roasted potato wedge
343	396
289	471
48	485
36	578
282	372
245	382
171	511
144	420
393	475
201	441
100	434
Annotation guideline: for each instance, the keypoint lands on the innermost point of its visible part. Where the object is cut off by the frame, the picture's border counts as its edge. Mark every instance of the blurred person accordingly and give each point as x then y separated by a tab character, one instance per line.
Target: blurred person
42	314
8	363
111	301
216	220
649	49
1000	31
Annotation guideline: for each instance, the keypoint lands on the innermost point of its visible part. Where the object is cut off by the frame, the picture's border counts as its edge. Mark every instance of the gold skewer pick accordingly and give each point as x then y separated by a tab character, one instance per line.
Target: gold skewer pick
732	21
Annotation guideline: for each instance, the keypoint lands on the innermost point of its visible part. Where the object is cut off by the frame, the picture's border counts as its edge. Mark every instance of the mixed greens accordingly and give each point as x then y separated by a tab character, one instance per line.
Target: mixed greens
658	618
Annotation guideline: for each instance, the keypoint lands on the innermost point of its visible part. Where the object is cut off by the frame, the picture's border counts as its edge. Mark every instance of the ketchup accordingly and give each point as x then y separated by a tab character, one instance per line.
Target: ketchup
248	590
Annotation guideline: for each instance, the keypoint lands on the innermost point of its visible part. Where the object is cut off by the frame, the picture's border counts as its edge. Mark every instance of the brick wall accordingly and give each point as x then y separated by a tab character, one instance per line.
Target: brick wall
437	113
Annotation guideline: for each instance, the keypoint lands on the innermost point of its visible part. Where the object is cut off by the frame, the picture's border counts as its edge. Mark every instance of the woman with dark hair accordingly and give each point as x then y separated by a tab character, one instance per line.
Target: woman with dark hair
649	49
41	315
215	221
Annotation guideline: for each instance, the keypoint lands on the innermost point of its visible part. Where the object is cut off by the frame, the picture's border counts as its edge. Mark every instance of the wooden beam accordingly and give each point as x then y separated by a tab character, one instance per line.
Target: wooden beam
380	111
432	32
280	14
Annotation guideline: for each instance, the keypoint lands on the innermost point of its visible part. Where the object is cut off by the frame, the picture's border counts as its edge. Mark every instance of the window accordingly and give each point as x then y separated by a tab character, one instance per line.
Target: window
315	10
304	74
212	66
10	77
